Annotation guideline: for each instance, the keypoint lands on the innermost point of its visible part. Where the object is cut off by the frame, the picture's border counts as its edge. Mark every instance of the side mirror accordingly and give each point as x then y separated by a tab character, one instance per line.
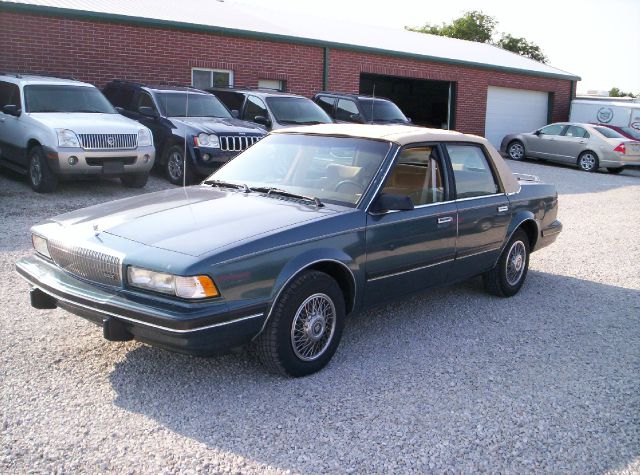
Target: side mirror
147	111
538	133
390	202
356	118
12	109
262	120
119	109
409	121
235	114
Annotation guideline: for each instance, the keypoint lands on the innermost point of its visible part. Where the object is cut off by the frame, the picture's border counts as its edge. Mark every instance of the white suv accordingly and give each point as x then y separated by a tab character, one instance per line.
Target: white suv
52	128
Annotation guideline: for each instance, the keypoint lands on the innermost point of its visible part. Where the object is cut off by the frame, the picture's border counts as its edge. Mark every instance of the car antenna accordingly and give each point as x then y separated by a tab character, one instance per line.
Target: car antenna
373	101
184	155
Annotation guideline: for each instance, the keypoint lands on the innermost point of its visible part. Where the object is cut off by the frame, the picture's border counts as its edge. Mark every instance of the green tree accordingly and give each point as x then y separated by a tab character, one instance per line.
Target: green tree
471	26
480	27
522	47
615	92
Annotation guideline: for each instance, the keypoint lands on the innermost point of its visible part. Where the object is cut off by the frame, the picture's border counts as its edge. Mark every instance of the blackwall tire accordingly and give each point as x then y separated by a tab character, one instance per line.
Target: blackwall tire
515	150
40	176
175	166
588	162
305	326
508	276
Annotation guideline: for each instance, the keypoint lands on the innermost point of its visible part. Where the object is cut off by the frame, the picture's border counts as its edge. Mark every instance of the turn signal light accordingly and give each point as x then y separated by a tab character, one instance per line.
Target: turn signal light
620	148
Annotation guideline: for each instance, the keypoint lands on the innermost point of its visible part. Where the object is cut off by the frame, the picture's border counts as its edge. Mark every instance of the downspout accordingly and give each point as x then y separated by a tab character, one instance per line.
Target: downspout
325	69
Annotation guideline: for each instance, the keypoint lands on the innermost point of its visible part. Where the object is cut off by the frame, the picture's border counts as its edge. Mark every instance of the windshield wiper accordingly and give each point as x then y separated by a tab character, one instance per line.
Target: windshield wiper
301	122
90	111
269	190
228	184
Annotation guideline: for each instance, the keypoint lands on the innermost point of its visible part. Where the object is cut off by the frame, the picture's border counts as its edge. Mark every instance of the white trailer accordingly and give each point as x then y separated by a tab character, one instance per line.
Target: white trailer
623	115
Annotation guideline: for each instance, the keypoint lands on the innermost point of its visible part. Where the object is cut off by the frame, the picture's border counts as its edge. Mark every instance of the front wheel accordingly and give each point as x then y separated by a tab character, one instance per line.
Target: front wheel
515	150
588	162
508	276
41	178
177	169
305	326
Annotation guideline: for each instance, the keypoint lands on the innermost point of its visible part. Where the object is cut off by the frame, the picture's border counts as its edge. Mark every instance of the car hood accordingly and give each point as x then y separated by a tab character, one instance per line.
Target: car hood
84	123
215	125
194	221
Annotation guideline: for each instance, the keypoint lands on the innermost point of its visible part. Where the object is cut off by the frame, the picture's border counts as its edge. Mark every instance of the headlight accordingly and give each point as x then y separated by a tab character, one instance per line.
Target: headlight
144	138
40	245
193	287
67	138
207	140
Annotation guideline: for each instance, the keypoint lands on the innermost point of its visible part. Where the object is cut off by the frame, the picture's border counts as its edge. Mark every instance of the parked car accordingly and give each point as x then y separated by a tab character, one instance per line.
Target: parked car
280	244
183	121
270	108
587	146
360	109
623	117
53	128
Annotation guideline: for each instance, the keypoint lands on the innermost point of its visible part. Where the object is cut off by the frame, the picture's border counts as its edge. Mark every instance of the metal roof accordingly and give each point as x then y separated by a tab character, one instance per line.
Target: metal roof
261	22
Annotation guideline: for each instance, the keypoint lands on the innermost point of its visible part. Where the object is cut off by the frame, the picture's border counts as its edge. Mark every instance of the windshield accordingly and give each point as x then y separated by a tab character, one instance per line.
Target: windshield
333	169
383	111
609	133
297	110
54	98
182	104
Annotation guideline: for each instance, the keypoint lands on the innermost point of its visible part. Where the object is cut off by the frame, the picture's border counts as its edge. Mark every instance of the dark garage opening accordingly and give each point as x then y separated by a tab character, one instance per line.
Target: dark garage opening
425	102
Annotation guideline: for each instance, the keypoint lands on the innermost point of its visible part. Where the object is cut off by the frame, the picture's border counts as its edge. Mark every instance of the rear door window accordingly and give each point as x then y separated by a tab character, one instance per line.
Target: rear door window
576	132
471	171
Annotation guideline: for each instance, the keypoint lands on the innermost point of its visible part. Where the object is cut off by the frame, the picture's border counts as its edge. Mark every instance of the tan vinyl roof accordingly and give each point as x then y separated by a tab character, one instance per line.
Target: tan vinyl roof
406	134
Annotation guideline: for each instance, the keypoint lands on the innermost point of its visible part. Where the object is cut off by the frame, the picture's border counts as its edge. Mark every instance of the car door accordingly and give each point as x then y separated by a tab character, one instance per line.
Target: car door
482	206
414	249
158	128
571	143
543	144
12	128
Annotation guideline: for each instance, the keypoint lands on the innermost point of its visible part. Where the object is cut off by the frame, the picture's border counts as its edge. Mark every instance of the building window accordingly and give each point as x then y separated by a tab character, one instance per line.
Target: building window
275	84
204	78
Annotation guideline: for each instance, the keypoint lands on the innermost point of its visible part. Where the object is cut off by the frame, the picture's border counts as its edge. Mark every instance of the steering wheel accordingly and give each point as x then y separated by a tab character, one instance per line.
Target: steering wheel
348	186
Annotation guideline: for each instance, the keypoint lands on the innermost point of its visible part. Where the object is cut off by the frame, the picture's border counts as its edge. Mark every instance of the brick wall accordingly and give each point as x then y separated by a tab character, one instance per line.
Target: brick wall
97	52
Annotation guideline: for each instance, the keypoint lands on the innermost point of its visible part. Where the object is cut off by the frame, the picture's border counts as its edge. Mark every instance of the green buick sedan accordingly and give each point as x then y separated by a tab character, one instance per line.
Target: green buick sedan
278	247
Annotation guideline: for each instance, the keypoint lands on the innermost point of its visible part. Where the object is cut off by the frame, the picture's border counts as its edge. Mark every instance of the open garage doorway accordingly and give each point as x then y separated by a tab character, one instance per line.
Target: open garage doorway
425	102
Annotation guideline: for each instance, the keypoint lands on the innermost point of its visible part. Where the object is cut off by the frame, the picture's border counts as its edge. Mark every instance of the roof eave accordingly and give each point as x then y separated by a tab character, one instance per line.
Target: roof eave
152	22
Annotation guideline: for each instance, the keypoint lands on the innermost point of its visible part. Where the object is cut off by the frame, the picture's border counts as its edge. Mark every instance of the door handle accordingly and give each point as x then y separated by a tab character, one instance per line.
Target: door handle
445	220
502	209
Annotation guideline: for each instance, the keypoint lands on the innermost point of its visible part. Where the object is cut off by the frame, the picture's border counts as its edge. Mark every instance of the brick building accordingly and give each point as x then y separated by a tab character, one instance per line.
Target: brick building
440	82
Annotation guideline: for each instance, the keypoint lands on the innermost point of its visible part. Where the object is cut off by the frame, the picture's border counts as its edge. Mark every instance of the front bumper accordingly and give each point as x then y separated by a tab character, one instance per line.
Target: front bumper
208	160
194	328
101	162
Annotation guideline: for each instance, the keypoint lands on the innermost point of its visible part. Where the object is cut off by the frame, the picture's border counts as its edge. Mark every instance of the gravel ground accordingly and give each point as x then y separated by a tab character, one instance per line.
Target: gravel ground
451	380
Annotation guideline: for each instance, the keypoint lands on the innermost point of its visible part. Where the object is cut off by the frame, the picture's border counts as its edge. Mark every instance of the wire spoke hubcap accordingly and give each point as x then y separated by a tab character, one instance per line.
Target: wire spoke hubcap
516	260
175	165
313	327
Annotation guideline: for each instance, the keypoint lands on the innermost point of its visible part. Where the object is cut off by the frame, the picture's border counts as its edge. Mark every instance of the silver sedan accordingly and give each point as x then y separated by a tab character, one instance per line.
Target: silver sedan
587	146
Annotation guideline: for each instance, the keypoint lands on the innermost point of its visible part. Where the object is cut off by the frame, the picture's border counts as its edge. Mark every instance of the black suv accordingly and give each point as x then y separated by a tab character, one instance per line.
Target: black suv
273	109
360	109
184	119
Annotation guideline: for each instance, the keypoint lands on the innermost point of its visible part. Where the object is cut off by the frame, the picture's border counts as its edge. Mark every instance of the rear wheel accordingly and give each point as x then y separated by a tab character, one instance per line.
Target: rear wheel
305	326
40	176
615	171
515	150
588	162
508	276
138	180
177	169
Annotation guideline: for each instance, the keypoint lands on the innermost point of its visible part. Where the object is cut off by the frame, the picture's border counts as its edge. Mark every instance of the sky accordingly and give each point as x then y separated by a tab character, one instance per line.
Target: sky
596	40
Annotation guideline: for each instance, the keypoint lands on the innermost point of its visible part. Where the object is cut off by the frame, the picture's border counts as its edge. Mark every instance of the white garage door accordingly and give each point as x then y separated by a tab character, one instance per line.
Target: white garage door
511	111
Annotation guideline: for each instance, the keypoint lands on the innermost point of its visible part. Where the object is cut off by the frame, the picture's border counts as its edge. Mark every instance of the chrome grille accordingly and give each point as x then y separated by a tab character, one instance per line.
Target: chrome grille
237	143
89	264
108	141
